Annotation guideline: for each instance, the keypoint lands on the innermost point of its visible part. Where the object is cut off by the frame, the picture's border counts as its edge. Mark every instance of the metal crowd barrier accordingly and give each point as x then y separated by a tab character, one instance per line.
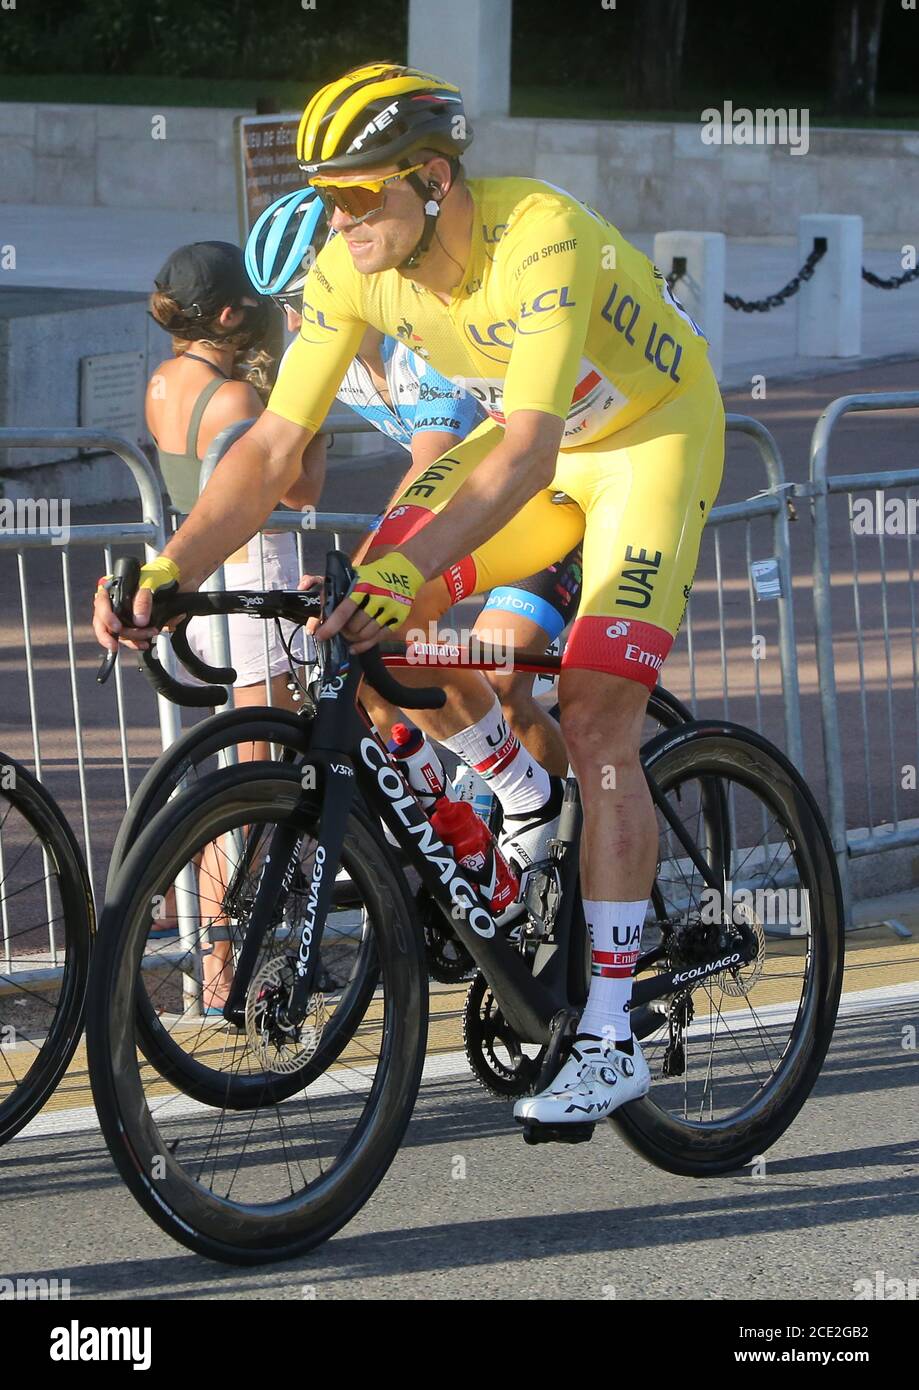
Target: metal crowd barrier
890	730
742	599
151	531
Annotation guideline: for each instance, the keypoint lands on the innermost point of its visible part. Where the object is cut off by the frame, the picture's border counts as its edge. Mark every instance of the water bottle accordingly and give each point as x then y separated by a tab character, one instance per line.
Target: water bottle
422	767
475	850
468	786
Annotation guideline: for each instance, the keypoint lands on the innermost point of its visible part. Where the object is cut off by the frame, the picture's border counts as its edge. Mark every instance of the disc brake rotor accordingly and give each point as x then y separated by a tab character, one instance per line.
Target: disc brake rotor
739	981
275	1044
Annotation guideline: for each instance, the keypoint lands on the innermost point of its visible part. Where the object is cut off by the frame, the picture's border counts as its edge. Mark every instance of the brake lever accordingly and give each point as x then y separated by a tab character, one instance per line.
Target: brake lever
340	576
122	588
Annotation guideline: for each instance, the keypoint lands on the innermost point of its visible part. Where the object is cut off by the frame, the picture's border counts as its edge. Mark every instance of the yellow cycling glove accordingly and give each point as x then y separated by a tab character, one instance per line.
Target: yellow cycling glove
386	588
157	573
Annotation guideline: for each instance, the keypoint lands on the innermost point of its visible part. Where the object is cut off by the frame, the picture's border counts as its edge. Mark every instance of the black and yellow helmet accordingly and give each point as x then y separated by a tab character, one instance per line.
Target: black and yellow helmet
378	113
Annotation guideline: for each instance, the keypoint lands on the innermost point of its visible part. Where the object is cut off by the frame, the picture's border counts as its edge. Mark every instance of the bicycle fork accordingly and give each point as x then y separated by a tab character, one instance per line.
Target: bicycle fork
278	871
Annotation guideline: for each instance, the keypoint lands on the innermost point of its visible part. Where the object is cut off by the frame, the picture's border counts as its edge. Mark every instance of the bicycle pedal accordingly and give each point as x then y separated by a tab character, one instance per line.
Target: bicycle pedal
535	1132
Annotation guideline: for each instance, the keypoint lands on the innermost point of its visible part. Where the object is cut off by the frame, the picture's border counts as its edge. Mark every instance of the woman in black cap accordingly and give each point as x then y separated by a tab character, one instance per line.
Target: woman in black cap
204	299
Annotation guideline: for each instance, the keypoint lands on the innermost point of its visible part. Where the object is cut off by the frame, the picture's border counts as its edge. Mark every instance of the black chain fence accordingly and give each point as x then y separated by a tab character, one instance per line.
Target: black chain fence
773	301
894	282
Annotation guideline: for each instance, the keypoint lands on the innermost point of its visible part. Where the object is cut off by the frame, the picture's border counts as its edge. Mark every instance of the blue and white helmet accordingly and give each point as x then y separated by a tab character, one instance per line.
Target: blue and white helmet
285	241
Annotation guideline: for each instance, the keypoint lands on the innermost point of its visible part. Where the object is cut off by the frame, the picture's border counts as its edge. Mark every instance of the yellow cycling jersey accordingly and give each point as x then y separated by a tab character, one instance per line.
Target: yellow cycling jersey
555	312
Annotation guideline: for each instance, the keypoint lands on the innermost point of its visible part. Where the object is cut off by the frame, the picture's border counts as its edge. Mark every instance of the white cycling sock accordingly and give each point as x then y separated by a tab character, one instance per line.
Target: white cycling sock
498	756
615	935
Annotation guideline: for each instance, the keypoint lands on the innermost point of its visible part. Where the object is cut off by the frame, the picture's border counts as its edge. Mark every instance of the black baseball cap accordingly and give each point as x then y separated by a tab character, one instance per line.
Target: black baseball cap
205	276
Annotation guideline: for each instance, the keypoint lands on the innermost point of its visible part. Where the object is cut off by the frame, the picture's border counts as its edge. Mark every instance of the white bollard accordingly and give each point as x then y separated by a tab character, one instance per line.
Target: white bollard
829	305
700	289
468	44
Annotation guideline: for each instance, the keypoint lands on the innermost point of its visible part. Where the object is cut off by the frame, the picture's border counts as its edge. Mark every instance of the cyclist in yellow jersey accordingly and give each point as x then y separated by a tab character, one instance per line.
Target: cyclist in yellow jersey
606	424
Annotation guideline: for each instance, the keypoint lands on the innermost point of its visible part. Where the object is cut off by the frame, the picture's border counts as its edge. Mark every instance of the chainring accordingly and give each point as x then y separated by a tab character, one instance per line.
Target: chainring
276	1047
447	958
485	1029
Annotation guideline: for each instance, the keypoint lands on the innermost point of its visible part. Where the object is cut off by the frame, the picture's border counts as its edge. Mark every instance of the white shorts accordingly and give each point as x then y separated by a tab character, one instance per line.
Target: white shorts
255	647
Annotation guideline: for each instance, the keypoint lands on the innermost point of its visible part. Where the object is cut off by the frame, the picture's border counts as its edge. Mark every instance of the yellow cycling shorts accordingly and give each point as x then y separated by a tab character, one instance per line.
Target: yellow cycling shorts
639	498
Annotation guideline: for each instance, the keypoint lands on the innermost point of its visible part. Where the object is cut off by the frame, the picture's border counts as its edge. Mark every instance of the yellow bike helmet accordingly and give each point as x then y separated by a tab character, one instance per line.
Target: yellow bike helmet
377	114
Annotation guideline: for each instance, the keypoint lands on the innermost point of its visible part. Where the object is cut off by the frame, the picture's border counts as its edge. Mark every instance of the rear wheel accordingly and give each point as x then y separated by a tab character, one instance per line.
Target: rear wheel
325	1114
738	1054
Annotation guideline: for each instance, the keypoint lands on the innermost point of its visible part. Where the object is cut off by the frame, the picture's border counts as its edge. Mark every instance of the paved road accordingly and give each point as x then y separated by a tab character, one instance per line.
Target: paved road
839	1200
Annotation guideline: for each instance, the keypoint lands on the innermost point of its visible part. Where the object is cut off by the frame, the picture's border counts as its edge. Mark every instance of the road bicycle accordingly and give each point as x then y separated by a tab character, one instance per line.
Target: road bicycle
47	922
257	1136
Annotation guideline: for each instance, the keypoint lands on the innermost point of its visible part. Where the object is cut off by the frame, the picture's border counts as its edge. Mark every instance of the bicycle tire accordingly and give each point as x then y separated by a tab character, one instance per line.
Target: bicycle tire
39	809
712	750
197	1218
241	1092
204	740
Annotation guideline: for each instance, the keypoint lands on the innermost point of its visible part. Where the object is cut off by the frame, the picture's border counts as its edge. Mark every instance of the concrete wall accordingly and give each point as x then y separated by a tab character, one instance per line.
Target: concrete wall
107	156
645	175
654	176
43	335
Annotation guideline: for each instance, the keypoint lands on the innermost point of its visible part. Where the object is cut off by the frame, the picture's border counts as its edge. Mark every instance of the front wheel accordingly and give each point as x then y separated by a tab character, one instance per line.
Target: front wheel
47	922
270	1181
736	1056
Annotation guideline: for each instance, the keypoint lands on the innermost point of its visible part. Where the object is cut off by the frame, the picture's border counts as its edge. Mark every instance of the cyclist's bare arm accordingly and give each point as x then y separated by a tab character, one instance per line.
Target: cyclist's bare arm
244	489
519	467
307	489
427	447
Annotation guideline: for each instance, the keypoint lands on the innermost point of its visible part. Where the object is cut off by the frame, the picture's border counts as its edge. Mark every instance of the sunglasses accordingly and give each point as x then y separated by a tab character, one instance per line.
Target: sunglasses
292	301
357	200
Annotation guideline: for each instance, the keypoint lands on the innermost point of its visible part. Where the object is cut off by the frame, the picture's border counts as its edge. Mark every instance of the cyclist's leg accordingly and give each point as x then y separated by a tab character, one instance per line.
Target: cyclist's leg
527	616
536	536
646	497
471	724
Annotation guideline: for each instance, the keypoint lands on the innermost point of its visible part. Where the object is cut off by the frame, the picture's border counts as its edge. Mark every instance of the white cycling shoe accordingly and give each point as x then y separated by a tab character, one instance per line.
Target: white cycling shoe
595	1080
524	840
